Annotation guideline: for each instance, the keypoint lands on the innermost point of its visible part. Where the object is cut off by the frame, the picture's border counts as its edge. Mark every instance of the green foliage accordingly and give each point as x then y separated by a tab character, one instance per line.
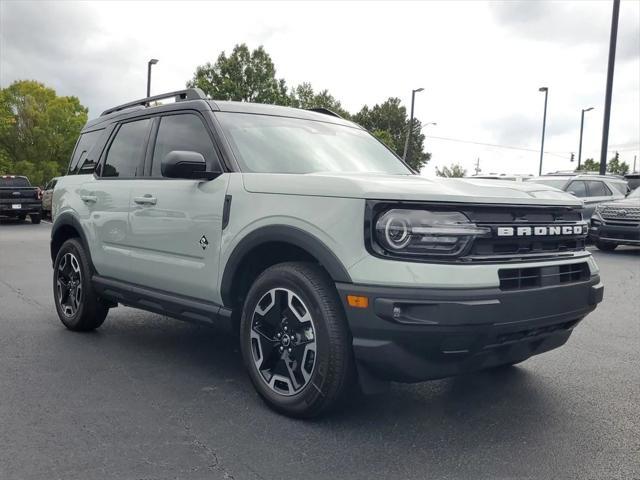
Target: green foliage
38	130
303	96
250	76
247	76
614	166
391	117
454	171
385	137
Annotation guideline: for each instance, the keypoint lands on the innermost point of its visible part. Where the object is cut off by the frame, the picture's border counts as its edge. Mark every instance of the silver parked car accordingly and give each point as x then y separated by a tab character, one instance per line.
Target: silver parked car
47	196
592	189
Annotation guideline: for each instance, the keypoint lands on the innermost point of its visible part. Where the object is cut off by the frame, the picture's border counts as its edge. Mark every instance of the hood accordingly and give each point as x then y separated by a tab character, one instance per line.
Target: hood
408	188
624	202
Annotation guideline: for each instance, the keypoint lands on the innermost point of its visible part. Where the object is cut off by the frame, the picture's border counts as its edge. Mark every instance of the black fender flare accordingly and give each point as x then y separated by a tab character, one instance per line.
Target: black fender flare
285	234
68	219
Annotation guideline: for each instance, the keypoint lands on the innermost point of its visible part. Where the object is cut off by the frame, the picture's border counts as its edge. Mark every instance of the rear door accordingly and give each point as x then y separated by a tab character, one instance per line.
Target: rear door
598	192
106	197
176	224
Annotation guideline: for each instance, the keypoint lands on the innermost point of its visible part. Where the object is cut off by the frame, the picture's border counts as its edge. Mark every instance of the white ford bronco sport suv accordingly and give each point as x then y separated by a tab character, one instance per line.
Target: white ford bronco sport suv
335	262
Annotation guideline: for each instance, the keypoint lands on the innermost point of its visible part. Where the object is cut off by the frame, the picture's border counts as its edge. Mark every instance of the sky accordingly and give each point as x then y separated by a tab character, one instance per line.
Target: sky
480	64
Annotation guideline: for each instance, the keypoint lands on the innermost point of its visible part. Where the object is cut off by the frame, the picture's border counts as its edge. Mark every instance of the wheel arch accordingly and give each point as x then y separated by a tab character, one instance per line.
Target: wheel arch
267	246
67	226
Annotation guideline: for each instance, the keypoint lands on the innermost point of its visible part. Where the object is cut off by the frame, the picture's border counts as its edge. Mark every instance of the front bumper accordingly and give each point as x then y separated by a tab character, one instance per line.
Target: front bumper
415	334
618	234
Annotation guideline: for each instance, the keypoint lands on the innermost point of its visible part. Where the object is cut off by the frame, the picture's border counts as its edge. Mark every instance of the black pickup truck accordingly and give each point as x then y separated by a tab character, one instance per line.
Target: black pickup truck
19	199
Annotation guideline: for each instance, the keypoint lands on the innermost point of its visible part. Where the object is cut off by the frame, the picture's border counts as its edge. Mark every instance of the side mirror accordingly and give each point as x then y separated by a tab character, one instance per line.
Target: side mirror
186	164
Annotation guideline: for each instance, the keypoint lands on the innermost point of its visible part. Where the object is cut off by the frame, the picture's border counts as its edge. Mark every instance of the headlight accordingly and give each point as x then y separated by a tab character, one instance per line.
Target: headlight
424	232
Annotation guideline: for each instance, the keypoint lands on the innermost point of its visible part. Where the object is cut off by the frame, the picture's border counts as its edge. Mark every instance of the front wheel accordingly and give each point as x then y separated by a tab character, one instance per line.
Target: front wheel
77	304
295	341
606	246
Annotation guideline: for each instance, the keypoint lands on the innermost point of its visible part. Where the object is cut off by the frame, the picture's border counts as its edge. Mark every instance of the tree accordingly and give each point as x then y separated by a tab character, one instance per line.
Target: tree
616	167
303	96
391	117
455	170
38	130
247	76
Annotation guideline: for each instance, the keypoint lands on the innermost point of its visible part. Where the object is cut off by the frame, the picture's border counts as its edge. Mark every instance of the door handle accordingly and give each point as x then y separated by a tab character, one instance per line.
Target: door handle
89	198
146	200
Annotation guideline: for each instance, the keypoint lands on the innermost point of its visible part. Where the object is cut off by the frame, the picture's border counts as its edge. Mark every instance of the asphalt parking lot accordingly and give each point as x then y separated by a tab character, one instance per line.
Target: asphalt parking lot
147	397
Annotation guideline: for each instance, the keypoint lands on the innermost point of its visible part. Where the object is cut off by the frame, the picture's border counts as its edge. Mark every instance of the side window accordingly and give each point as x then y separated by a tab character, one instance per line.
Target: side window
126	153
620	187
182	132
598	189
85	143
578	188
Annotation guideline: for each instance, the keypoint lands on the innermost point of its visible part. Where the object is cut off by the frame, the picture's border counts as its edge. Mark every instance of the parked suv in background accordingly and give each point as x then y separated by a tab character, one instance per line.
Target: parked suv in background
47	196
19	199
592	189
334	262
617	223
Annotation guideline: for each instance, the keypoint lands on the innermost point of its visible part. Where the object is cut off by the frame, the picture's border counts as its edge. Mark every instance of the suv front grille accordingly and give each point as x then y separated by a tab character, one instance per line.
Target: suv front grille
620	213
535	277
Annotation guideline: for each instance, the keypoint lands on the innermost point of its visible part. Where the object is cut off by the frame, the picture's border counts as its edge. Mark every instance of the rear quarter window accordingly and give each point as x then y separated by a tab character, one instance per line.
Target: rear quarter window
82	160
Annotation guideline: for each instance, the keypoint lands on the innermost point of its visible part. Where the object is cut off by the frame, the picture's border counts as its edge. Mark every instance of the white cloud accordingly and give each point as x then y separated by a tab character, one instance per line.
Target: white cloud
480	63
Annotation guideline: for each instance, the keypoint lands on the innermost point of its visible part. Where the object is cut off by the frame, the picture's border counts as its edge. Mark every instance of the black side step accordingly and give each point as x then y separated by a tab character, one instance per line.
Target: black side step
164	303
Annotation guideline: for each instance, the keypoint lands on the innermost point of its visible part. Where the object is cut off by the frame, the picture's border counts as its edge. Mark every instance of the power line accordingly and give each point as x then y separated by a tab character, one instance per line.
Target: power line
510	147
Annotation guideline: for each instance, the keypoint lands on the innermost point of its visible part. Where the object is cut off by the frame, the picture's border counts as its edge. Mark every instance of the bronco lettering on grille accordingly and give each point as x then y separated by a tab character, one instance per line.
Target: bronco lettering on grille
541	231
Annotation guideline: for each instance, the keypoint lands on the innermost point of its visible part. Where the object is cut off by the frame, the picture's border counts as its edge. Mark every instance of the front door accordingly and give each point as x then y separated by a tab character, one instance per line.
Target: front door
176	224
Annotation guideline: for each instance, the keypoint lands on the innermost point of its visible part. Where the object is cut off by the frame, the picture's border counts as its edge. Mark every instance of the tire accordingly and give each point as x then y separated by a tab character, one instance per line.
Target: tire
606	246
22	218
293	321
35	218
79	311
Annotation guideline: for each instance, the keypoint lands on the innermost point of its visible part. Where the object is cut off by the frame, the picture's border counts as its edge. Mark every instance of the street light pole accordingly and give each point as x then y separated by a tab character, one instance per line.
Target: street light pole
153	61
581	129
544	125
407	142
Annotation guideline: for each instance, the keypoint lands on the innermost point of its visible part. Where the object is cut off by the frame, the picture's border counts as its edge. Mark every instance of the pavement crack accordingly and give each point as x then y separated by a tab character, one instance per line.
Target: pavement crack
22	296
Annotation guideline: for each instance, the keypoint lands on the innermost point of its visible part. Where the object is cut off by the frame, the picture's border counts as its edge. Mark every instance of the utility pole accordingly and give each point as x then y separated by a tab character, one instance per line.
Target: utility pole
407	142
478	170
544	125
607	100
635	157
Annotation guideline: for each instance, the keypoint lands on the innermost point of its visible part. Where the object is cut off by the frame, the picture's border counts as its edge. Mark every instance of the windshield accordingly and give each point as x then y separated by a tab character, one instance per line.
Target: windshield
270	144
634	194
552	182
14	182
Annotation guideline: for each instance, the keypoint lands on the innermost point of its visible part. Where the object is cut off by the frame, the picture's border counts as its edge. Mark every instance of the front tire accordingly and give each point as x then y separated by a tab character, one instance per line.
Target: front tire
606	246
295	341
77	304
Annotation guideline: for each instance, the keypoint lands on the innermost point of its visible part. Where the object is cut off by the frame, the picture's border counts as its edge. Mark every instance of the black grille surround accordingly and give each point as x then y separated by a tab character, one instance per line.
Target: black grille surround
492	248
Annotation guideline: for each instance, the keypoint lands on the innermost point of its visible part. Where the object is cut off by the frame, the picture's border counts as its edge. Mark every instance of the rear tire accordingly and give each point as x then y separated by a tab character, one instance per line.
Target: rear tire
35	218
295	341
606	246
22	218
78	306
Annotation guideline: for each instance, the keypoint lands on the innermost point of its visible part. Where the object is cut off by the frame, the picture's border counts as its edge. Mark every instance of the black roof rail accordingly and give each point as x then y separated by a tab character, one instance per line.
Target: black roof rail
326	111
180	96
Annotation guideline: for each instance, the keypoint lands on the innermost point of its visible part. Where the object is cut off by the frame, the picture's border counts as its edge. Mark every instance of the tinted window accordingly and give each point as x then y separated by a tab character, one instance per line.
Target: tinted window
598	189
621	187
14	182
126	152
270	144
182	132
79	158
578	188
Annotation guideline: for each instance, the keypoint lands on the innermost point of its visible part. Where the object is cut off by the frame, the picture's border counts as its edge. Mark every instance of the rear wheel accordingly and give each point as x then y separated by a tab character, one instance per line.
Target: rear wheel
22	218
606	246
77	304
35	218
295	341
